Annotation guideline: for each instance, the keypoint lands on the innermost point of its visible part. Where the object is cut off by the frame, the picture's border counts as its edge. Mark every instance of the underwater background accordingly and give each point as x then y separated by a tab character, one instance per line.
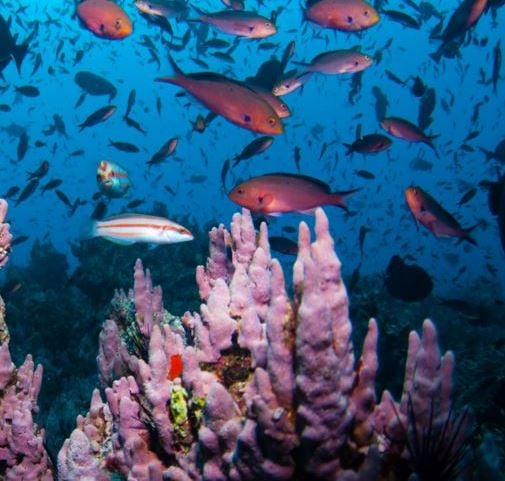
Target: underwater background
58	283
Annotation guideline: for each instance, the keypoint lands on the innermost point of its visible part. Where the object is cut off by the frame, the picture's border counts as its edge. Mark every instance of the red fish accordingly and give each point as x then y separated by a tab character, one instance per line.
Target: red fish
428	212
403	129
105	19
273	194
229	98
346	15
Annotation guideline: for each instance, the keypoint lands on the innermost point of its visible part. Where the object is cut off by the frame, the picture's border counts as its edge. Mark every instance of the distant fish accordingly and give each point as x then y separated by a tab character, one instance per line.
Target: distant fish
403	18
166	150
239	22
163	8
132	228
283	245
28	90
105	19
339	62
407	282
100	115
428	212
124	146
345	15
369	144
253	148
405	130
94	84
273	194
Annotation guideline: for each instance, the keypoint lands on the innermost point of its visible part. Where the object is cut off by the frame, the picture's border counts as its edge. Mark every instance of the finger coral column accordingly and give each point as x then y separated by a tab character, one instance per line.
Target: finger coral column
22	452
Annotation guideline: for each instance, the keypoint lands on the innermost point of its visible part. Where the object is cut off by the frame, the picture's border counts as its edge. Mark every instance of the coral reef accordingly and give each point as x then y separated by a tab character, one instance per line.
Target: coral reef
257	386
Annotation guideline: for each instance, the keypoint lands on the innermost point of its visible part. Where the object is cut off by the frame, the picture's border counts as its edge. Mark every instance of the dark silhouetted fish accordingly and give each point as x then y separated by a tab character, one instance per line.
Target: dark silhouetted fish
100	115
93	84
9	50
28	190
369	144
407	282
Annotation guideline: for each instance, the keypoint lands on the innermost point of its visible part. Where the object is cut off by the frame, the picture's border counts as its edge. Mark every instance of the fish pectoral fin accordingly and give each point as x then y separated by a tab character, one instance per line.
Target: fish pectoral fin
264	200
121	242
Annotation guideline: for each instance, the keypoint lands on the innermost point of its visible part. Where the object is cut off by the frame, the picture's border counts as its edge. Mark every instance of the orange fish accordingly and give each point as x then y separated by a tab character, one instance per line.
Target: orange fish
273	194
105	19
345	15
428	212
175	369
229	98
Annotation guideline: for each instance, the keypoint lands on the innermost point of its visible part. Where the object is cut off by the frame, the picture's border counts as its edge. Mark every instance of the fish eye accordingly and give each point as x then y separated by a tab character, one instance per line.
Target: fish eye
349	19
102	27
118	23
356	63
366	13
260	200
247	118
271	121
268	24
240	191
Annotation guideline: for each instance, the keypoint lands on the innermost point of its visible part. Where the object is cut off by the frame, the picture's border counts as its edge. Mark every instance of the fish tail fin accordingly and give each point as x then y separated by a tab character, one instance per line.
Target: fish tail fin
489	155
430	144
338	198
88	230
19	54
349	149
466	234
175	77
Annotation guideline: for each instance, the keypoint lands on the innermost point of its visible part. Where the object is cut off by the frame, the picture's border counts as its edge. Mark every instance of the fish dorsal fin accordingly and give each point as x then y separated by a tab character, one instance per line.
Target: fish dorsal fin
130	216
319	183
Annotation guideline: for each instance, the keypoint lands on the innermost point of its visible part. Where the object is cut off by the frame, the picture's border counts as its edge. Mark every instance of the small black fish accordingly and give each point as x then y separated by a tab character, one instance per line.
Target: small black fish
253	148
97	117
467	196
407	282
365	174
133	123
99	211
28	190
28	90
124	146
131	102
369	144
40	171
19	240
135	203
22	146
63	197
52	184
11	192
283	245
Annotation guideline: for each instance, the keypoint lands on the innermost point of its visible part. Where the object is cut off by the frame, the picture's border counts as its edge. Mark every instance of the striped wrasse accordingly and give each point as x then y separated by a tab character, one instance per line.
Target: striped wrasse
131	228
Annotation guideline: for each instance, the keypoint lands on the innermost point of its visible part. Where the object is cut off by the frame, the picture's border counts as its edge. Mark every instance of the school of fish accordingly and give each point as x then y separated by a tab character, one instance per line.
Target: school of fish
193	45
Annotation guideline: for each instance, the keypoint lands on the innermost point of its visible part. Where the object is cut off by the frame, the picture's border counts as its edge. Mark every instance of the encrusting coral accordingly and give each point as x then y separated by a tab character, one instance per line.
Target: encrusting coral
258	386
